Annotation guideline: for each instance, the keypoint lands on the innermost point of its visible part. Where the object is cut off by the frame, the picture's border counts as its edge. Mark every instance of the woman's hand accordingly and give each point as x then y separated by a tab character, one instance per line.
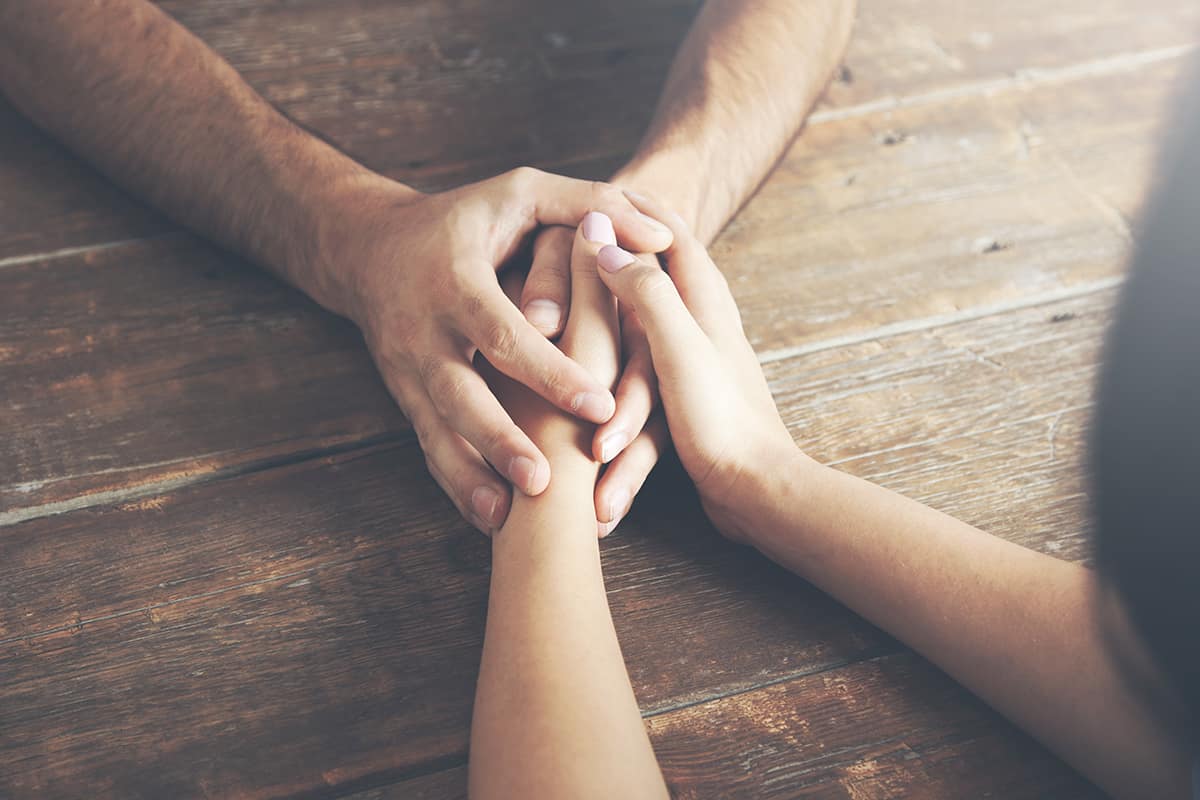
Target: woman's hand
425	294
720	413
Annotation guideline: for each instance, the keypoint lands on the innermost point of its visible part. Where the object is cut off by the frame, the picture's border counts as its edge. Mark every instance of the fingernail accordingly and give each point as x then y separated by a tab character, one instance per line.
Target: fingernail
598	228
545	315
612	445
592	406
523	472
486	502
612	258
653	223
635	197
618	505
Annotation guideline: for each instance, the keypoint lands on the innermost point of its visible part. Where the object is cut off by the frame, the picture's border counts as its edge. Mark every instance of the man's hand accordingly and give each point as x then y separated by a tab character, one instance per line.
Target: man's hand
424	291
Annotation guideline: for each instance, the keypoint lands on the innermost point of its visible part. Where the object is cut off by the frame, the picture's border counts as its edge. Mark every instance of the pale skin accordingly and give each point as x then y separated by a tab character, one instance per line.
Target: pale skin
549	630
1035	637
153	107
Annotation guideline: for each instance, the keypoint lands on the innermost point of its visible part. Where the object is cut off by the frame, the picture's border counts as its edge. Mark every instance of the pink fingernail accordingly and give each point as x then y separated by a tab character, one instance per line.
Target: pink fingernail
598	228
613	259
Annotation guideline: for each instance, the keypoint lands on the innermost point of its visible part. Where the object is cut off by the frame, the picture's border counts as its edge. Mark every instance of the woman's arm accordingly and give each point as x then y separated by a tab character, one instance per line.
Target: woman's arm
1018	628
555	715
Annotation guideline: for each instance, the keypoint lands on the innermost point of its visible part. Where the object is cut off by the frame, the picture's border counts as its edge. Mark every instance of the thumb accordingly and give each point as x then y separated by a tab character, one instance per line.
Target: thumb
682	353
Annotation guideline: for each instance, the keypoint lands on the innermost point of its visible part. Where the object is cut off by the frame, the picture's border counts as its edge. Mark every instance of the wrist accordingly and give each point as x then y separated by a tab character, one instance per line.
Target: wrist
769	494
663	174
343	216
671	174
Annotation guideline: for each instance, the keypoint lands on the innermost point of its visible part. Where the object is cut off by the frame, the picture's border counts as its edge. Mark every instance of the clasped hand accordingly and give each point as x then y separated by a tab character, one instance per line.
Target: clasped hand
423	288
718	408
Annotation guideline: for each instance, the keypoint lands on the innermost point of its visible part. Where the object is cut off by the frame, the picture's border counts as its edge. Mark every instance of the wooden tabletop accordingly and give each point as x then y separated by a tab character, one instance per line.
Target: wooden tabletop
224	570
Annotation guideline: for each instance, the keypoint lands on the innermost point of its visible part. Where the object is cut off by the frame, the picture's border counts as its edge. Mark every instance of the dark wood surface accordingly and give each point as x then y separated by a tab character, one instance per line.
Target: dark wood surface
224	571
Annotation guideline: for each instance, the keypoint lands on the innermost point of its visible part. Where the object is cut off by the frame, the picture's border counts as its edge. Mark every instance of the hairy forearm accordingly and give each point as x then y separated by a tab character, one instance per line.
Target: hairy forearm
555	715
1016	627
739	89
153	107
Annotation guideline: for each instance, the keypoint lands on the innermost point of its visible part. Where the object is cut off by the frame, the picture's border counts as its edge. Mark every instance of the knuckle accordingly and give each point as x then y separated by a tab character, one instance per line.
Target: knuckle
499	341
651	284
496	443
428	367
522	176
604	194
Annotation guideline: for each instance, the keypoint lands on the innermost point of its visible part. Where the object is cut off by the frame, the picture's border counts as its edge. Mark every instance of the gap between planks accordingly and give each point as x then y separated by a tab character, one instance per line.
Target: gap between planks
1020	79
155	488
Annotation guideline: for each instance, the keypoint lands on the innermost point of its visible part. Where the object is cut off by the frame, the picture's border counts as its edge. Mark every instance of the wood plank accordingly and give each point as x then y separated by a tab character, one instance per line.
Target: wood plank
342	594
907	239
946	208
167	360
911	47
888	727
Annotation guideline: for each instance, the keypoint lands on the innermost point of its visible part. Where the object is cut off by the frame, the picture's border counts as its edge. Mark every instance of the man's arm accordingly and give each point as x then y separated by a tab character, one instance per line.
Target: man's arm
133	92
152	106
740	88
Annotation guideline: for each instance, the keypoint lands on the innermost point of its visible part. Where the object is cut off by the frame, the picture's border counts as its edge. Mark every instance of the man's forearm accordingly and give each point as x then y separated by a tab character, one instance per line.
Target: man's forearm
152	106
745	78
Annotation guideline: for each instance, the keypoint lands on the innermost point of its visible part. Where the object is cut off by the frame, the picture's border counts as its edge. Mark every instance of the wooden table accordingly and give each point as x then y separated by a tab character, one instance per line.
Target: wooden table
224	570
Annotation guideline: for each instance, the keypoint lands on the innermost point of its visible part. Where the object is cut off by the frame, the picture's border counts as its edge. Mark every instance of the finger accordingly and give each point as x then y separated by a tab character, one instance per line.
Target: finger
467	405
624	477
474	487
517	349
547	292
460	471
558	200
636	395
701	284
592	336
681	351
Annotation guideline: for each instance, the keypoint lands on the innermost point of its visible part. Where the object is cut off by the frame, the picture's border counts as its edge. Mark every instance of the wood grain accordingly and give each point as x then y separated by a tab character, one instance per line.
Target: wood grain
889	727
343	595
936	210
168	361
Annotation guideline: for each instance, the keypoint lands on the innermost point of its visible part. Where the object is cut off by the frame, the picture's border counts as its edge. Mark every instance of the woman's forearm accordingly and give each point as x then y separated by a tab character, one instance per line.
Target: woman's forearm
555	715
1014	626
